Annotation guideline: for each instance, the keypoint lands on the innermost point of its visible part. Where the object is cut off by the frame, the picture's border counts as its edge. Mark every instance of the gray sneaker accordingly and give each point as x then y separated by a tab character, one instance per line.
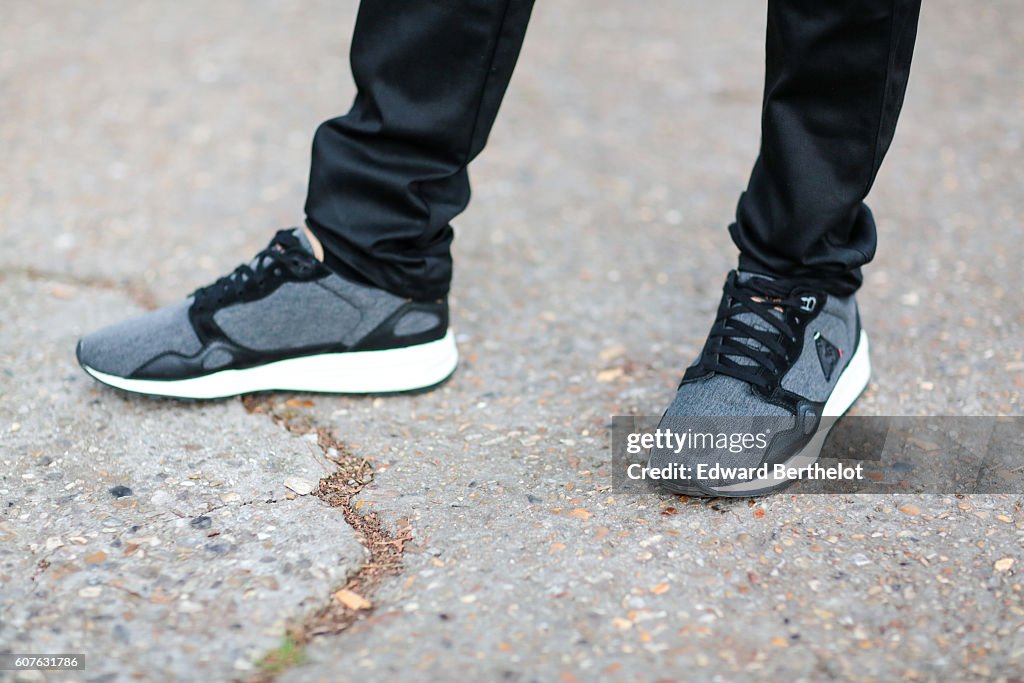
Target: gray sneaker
283	321
783	361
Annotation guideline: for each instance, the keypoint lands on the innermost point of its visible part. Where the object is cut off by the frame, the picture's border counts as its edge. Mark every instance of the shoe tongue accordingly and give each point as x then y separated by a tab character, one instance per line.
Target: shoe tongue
291	238
755	321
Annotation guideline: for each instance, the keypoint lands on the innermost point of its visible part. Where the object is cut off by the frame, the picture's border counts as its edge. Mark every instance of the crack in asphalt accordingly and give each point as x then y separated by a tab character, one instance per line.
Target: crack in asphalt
386	548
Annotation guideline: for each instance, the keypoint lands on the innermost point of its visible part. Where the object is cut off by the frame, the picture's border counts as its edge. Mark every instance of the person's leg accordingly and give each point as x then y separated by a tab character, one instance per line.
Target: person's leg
835	77
387	177
369	315
786	355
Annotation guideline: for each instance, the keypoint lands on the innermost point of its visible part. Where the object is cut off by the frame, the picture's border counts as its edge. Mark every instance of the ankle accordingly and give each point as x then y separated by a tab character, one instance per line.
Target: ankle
314	243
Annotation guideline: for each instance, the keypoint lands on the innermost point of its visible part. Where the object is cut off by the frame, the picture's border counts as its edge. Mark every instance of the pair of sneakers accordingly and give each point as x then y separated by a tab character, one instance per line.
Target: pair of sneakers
779	350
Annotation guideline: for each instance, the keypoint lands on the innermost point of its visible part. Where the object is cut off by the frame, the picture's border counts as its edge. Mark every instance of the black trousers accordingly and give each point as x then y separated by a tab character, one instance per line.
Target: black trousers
388	177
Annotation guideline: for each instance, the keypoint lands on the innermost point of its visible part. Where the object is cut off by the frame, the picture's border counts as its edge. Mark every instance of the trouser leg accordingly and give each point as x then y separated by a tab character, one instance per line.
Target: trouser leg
387	177
836	73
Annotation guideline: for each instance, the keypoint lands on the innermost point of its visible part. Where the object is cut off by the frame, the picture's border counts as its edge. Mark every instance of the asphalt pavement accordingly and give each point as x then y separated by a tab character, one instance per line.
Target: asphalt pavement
472	533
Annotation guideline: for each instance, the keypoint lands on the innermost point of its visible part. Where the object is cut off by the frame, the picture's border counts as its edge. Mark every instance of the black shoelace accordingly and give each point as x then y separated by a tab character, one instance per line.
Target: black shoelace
769	351
284	253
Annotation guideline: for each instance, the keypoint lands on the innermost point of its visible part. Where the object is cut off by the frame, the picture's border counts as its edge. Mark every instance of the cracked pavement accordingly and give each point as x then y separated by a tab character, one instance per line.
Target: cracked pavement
150	147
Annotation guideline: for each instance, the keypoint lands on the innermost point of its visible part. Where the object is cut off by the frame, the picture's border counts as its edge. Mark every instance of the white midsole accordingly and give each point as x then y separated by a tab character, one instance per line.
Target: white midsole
353	372
849	387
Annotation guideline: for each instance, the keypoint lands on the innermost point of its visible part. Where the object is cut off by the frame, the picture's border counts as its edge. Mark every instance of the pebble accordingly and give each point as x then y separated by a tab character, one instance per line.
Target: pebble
189	607
120	491
201	522
161	498
860	559
301	486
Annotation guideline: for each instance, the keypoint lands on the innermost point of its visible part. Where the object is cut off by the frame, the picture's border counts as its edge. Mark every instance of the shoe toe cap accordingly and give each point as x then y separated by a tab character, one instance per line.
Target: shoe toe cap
122	349
108	351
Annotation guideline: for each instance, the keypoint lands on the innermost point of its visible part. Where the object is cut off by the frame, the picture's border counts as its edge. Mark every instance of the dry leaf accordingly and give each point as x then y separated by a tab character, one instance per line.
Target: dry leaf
612	352
161	598
62	291
96	558
351	599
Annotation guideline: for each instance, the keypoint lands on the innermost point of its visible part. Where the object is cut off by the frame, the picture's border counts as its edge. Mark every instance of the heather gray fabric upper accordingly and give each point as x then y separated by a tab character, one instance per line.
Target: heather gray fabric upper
837	322
723	395
415	322
301	314
731	400
123	348
720	395
331	310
